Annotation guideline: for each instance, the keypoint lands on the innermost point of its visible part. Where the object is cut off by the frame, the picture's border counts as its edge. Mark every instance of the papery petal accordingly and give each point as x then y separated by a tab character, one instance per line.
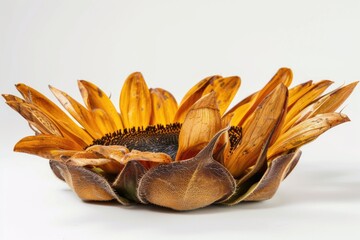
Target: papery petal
225	90
193	95
257	129
305	132
164	106
201	123
315	91
67	127
135	102
95	98
79	112
244	109
46	146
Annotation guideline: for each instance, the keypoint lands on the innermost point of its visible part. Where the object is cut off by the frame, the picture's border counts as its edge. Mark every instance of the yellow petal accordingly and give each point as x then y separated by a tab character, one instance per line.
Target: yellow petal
164	106
316	90
268	114
201	123
193	95
225	89
298	91
135	102
46	146
305	132
67	127
95	98
244	109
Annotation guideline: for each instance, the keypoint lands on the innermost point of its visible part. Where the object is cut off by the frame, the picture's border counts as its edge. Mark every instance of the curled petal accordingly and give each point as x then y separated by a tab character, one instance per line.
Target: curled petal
193	95
95	98
164	106
147	159
306	132
46	146
202	122
274	175
255	132
67	127
135	102
225	90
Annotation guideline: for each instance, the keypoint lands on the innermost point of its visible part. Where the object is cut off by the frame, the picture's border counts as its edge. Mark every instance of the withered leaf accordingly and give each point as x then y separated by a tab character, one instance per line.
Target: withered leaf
88	185
188	184
126	184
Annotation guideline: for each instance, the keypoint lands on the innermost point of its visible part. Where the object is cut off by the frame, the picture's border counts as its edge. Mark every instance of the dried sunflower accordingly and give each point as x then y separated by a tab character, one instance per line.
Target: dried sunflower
184	157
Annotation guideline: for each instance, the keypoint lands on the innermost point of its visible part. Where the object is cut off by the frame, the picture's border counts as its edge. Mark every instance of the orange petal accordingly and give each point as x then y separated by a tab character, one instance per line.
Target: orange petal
193	95
135	102
268	114
164	106
147	159
327	103
79	112
246	108
35	117
305	132
298	91
46	146
95	98
225	89
68	128
201	123
316	90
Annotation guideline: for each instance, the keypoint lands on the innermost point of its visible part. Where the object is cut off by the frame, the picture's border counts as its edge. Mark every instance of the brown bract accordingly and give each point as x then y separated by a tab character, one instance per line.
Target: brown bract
152	150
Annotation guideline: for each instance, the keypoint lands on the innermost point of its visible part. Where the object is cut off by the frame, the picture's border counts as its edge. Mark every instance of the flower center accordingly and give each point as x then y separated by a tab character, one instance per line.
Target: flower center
157	138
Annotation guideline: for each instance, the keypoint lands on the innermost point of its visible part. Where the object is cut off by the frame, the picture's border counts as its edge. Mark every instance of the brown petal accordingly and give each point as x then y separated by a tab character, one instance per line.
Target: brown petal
95	98
225	89
147	159
257	130
193	95
277	171
126	184
114	152
306	132
88	185
135	102
188	184
202	122
164	106
46	146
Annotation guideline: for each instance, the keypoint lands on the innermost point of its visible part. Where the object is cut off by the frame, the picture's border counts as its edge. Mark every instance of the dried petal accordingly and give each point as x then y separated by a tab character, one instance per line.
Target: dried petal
268	114
202	122
164	106
188	184
225	90
135	102
306	132
193	95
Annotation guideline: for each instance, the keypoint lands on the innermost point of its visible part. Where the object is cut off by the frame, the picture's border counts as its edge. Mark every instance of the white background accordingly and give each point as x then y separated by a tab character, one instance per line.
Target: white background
175	44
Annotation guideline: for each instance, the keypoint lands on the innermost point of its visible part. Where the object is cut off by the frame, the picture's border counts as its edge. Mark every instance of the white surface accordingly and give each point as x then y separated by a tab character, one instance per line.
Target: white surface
175	44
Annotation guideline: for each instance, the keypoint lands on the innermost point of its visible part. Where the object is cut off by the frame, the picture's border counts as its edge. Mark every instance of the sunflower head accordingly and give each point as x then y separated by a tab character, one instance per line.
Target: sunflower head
186	156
